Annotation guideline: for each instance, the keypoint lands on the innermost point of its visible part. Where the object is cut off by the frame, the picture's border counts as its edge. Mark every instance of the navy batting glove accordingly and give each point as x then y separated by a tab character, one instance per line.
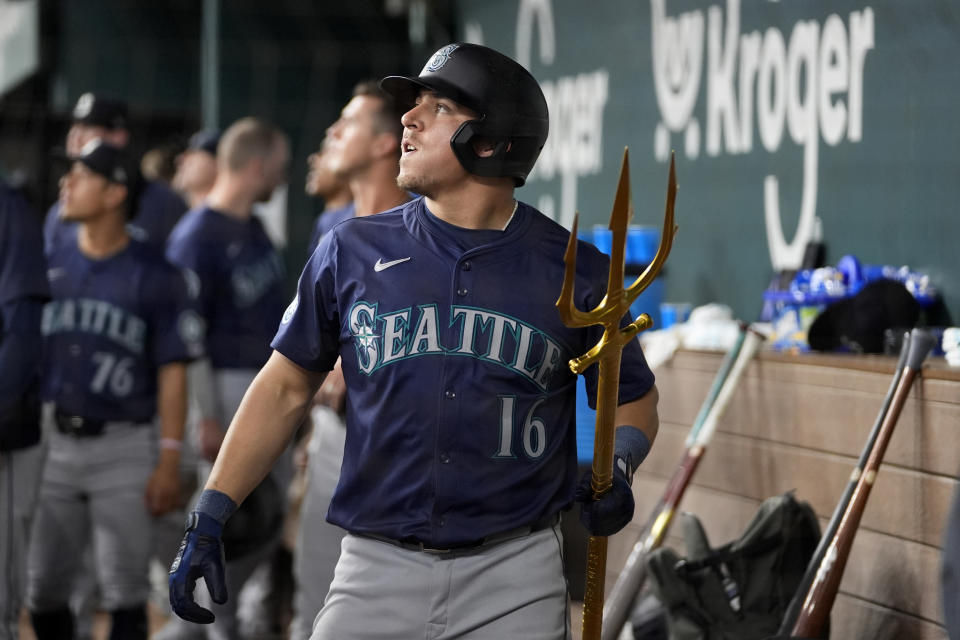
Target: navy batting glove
200	554
614	509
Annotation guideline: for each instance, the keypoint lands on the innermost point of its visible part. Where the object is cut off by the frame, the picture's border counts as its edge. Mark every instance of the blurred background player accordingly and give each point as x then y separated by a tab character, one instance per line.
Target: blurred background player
157	209
23	290
362	150
240	277
118	333
323	183
197	167
159	164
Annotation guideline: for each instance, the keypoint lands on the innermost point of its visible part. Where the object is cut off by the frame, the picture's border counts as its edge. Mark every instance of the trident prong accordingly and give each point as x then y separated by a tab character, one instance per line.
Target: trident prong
607	354
617	300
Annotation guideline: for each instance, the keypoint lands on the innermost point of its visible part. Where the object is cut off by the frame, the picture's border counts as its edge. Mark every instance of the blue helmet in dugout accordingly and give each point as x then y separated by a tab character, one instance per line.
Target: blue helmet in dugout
512	111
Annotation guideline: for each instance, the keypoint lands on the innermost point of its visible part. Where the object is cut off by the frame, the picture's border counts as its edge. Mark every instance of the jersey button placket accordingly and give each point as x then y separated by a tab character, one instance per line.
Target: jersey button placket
461	282
443	457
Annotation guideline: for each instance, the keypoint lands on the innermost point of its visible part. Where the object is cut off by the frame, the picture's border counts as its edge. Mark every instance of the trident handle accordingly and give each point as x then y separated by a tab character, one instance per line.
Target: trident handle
607	353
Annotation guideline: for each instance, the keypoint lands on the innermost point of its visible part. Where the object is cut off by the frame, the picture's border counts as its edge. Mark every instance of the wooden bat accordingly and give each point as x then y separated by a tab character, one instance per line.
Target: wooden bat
793	610
819	598
631	578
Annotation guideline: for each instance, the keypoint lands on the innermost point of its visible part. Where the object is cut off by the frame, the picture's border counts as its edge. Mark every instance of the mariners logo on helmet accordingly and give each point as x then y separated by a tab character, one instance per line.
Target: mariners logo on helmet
440	58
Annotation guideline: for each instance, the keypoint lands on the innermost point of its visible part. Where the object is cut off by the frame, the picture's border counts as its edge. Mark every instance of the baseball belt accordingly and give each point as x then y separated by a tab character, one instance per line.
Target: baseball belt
83	427
469	547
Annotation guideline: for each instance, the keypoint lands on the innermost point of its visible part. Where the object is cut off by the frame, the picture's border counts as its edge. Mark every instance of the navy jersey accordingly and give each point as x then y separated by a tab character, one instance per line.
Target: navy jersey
326	221
158	210
460	404
22	265
241	278
109	326
23	289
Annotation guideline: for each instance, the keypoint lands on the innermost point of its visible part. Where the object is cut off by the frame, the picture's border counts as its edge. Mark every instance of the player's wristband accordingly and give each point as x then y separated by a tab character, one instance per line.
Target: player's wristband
630	447
204	525
171	443
216	504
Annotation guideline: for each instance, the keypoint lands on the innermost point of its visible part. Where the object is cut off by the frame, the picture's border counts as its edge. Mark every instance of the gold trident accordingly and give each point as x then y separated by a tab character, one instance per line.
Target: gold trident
608	352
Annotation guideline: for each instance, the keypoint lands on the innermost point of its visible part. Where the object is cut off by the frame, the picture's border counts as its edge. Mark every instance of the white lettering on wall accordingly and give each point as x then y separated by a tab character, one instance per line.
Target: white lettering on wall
809	85
576	102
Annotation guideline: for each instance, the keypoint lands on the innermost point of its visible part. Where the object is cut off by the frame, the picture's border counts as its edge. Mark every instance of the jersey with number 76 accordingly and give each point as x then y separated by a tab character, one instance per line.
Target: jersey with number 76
109	326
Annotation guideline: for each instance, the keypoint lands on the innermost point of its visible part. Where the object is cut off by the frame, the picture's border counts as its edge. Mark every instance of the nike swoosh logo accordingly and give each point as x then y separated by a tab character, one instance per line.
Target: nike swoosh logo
56	272
380	266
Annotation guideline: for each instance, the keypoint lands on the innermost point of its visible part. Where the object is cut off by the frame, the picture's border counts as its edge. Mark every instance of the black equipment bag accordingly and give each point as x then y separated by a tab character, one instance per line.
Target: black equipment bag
741	590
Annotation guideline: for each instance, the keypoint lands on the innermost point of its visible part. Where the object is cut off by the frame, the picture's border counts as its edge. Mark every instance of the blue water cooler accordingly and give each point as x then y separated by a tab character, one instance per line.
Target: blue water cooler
642	243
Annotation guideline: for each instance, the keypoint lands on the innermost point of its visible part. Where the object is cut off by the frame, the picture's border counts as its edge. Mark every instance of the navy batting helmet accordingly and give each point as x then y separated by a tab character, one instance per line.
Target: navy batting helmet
511	107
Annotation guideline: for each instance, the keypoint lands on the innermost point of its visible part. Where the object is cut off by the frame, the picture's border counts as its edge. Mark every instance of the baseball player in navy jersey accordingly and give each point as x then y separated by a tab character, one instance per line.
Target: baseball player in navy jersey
197	167
323	183
23	290
240	277
460	447
97	116
362	148
118	332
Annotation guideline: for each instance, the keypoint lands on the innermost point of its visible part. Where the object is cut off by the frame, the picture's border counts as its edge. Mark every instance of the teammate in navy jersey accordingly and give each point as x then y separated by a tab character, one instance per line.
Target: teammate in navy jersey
23	290
158	207
362	148
240	277
197	167
118	332
460	447
322	183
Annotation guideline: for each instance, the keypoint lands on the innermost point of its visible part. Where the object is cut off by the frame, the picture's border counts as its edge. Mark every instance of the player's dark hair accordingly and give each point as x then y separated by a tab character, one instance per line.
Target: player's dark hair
246	139
389	114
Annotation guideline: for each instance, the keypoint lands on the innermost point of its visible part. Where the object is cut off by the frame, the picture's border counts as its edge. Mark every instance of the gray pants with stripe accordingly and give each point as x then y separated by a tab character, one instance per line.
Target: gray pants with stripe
93	493
514	589
20	472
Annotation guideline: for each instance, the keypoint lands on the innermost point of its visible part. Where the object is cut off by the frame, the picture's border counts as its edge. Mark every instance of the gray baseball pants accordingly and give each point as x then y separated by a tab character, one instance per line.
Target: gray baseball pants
514	589
93	492
20	473
318	541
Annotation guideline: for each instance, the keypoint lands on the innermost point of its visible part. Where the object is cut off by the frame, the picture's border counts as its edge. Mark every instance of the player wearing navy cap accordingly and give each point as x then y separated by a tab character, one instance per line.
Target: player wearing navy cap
240	276
23	290
118	332
97	116
197	167
460	447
